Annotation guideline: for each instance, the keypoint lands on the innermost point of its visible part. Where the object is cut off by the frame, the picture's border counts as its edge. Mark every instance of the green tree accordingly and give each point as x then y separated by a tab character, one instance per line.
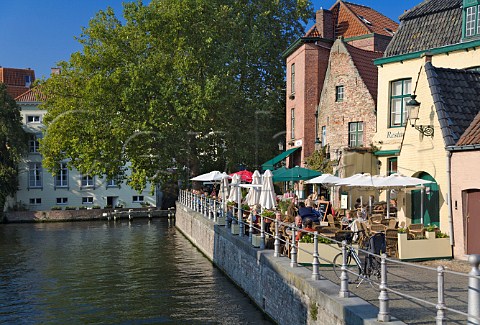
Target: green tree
187	83
318	160
13	144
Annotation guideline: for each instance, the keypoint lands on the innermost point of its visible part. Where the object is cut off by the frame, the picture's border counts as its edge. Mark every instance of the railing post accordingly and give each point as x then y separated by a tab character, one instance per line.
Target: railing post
344	293
315	263
240	212
441	297
293	252
276	252
474	290
214	210
250	227
383	309
262	232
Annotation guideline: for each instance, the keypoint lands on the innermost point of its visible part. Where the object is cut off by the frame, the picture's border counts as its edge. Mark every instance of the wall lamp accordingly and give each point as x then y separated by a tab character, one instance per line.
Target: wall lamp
413	107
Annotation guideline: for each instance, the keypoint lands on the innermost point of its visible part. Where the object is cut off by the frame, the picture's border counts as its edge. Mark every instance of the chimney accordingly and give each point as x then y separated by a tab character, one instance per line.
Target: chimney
427	56
54	71
324	23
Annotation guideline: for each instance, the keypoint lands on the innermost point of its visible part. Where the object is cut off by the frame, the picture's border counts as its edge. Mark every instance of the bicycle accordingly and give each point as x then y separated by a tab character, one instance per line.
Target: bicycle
371	265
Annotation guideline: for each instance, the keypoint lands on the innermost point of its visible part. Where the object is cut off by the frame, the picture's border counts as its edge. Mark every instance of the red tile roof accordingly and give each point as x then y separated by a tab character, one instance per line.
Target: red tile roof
472	133
32	95
351	20
363	61
14	79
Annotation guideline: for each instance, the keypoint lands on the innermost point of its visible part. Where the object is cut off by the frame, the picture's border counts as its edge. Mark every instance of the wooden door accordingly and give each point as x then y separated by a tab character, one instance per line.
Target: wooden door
471	202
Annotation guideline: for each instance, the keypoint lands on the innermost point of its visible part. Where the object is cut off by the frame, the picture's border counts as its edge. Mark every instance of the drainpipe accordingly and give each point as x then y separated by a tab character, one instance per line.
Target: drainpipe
449	198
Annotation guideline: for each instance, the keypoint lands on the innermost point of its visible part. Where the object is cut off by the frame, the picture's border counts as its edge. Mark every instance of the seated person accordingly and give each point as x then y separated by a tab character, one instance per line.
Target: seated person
308	212
308	227
348	218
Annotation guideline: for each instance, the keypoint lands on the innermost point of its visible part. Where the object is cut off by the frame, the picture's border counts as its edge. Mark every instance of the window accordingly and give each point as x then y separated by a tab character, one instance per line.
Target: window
324	136
33	118
400	94
33	143
471	18
339	93
87	200
293	123
137	199
35	175
292	78
355	134
61	179
87	181
28	81
392	165
35	201
62	200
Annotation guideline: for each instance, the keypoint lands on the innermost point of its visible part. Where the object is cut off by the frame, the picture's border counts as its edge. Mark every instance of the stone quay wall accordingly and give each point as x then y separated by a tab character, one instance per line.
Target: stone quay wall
287	295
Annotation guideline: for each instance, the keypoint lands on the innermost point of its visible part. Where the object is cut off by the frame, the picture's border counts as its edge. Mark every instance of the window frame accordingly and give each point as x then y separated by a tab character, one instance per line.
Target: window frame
339	93
324	136
292	79
390	162
292	122
33	143
138	199
36	201
357	133
404	97
61	179
87	181
87	200
61	200
35	119
35	170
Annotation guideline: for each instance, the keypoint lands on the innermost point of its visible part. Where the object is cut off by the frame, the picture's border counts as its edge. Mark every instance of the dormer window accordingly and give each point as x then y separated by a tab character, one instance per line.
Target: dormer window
33	118
28	81
388	30
471	18
365	20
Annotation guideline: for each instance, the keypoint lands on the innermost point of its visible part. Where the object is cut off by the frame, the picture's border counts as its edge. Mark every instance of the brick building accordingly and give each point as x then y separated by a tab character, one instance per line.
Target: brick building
330	74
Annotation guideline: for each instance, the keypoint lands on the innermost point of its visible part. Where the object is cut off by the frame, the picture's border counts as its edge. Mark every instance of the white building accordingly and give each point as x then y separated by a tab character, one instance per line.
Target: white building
40	190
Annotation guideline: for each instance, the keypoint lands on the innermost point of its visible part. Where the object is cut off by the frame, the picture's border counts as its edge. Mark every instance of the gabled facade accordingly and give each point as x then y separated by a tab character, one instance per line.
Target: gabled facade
364	35
40	190
18	81
428	57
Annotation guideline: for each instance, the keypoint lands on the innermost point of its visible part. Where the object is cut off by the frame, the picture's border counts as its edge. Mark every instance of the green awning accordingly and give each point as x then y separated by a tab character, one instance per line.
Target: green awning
275	160
295	174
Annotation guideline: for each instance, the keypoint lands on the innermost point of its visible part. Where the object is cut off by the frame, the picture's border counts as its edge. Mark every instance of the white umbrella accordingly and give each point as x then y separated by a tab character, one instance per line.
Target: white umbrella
326	179
253	195
208	177
233	196
267	195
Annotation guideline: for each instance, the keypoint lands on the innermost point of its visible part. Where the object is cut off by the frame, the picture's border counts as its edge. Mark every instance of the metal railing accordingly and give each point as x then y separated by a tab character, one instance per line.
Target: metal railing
215	211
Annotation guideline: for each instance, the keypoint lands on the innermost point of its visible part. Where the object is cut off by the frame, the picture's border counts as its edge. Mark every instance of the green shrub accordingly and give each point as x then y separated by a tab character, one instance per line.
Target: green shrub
96	207
440	234
56	208
70	208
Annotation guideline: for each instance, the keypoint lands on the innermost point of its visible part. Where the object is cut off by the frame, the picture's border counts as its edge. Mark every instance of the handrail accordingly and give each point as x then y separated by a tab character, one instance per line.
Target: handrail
208	207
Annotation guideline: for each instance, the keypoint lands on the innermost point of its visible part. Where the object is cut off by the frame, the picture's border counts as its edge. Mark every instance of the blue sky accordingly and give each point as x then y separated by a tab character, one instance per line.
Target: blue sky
38	33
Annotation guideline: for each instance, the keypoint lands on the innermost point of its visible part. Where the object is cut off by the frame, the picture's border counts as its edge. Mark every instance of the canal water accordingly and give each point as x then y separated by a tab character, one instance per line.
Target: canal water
113	272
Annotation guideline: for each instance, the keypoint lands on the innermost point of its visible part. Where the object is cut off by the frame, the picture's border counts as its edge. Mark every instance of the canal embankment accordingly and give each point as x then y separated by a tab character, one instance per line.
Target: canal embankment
287	294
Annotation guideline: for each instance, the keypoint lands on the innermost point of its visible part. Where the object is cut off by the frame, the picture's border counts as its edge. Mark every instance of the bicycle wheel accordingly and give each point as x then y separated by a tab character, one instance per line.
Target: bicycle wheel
353	268
373	267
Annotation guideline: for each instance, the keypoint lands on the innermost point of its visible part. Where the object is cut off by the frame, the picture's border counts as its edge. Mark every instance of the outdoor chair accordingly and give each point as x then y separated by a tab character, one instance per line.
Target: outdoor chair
415	230
391	236
375	219
377	227
328	232
332	222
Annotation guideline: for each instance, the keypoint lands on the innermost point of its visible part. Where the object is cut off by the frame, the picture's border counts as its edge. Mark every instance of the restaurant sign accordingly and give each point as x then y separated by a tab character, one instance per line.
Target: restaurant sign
394	135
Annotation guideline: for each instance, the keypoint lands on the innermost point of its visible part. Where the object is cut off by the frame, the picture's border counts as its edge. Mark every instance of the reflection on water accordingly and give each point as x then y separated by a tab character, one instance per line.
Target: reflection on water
113	273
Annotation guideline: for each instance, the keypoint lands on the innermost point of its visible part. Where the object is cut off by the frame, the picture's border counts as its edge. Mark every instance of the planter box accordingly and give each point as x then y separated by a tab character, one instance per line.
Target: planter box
256	240
430	234
326	253
423	248
235	229
221	221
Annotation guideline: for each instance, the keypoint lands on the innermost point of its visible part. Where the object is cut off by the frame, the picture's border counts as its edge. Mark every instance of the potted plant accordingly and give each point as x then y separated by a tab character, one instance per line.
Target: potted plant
430	231
268	214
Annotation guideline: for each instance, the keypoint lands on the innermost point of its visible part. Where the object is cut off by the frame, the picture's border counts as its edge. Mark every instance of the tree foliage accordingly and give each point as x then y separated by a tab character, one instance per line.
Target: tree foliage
174	85
13	144
318	160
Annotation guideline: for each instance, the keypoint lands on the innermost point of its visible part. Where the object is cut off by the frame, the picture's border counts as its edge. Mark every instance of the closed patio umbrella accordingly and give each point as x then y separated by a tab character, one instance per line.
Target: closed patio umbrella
267	195
253	195
234	194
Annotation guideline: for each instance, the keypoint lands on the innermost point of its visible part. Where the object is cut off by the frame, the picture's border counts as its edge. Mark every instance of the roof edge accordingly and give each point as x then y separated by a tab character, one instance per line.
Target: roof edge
302	40
418	54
